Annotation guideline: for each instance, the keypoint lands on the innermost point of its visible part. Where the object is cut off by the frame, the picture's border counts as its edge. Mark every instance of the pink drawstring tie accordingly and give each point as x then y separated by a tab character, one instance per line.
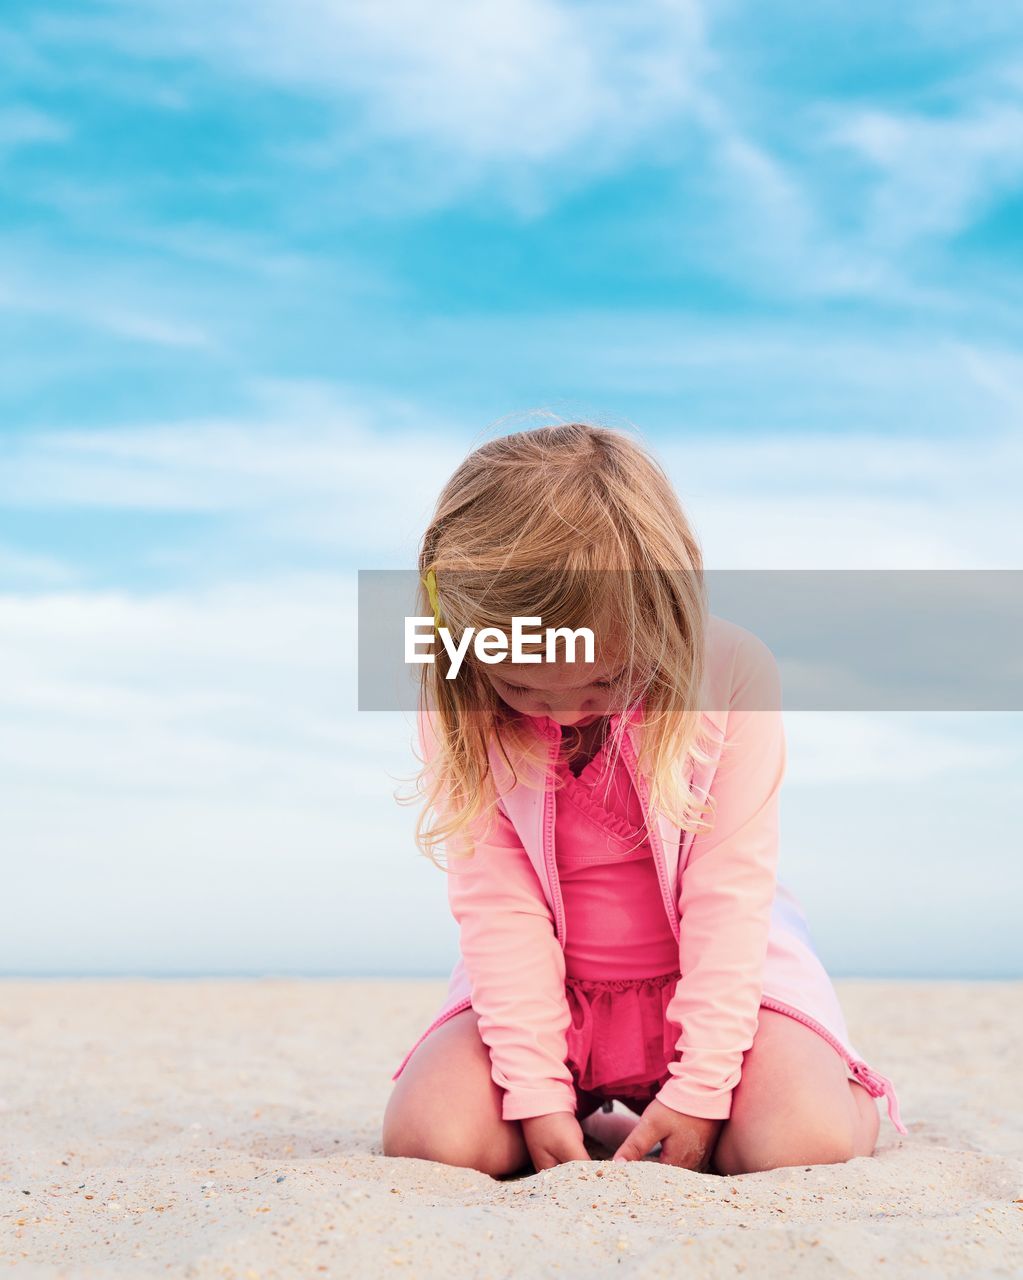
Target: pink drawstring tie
879	1086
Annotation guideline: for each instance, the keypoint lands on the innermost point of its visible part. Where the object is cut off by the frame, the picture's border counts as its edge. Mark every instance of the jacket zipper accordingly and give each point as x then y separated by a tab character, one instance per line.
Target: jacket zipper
639	782
550	859
876	1084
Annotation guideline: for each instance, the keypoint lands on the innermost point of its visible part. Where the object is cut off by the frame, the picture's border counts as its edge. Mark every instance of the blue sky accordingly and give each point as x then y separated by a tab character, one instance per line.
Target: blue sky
268	270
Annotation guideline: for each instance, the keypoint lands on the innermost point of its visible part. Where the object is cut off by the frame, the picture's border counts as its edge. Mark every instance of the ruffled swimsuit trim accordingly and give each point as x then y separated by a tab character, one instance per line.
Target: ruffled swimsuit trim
578	792
620	1040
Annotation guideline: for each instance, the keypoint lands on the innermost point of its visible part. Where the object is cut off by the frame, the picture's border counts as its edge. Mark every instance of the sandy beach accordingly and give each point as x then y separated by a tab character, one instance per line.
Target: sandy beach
231	1129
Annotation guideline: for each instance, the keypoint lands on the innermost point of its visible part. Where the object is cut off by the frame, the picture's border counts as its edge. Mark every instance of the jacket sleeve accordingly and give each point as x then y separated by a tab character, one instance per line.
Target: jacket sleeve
515	965
725	896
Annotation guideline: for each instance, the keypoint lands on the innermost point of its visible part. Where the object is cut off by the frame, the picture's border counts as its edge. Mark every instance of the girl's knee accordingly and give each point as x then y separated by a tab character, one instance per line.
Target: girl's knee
807	1140
448	1148
423	1134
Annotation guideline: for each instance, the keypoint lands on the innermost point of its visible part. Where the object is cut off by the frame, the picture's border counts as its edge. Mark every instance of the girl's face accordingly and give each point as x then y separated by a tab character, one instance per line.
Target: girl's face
569	693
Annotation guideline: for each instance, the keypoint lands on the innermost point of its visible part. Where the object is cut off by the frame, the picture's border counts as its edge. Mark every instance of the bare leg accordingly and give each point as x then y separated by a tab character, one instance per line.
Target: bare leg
794	1104
446	1105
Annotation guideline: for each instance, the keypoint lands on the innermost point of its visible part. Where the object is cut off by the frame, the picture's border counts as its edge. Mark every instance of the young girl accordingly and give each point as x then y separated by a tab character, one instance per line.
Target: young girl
612	831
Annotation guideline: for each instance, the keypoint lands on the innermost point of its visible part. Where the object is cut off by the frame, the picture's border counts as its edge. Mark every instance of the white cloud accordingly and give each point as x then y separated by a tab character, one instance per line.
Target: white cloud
312	470
774	231
857	750
184	782
27	569
222	695
825	501
430	99
527	79
526	101
937	174
316	470
122	309
25	126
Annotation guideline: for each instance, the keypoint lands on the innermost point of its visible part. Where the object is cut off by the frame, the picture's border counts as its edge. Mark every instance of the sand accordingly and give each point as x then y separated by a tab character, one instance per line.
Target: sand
232	1129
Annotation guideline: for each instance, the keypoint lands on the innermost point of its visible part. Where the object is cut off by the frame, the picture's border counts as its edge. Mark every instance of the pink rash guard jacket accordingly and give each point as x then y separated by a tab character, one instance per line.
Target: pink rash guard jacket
743	942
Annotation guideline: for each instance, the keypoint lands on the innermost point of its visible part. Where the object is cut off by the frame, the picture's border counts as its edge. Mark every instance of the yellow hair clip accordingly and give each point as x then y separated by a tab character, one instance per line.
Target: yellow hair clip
430	582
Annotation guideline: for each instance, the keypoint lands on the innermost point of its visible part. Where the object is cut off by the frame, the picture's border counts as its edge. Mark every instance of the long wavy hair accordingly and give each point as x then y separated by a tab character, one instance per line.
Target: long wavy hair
577	524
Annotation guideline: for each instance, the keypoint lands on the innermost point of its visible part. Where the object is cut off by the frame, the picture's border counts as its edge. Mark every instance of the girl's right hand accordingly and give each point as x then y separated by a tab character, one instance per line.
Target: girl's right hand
554	1139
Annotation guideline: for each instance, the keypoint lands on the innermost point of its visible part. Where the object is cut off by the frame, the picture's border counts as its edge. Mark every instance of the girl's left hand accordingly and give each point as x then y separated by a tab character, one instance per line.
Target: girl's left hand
686	1141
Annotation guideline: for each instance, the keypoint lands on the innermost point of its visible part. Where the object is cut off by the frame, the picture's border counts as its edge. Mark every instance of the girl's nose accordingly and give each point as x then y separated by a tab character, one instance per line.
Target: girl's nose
568	718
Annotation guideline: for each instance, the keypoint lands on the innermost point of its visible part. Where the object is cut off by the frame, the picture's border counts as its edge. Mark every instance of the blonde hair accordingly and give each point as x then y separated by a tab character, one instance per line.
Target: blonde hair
577	524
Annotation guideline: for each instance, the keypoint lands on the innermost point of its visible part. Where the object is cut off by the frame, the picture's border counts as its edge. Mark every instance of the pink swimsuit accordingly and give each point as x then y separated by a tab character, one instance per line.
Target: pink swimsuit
621	958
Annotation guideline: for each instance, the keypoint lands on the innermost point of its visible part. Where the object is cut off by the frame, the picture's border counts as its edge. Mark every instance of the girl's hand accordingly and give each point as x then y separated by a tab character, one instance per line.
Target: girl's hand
553	1139
686	1141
